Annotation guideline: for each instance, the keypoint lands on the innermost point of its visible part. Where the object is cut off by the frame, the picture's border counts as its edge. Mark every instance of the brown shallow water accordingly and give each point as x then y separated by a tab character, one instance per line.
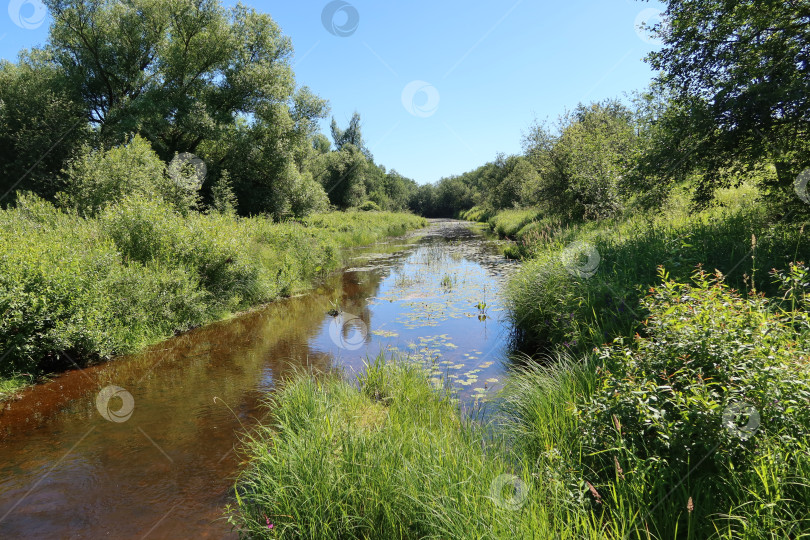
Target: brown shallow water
155	454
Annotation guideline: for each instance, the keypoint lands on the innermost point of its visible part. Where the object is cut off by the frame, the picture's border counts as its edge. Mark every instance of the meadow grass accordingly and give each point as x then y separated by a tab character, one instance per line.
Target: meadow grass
386	457
76	289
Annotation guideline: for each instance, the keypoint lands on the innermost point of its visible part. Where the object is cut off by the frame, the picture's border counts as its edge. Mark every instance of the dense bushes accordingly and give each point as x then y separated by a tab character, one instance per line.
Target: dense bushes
82	288
711	356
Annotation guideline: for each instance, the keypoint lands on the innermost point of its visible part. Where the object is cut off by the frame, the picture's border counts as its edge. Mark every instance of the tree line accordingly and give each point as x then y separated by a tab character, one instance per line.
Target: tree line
122	89
729	105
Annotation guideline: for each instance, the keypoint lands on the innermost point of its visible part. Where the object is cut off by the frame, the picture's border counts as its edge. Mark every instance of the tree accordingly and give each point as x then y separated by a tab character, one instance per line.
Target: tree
580	169
41	125
342	175
738	72
175	70
351	135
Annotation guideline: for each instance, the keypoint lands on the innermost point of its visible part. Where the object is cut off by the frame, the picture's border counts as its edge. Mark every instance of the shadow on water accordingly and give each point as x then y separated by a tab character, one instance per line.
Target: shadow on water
153	453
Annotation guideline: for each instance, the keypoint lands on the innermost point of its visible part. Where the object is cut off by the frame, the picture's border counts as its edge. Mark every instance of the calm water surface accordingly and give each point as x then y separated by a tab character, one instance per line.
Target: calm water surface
154	454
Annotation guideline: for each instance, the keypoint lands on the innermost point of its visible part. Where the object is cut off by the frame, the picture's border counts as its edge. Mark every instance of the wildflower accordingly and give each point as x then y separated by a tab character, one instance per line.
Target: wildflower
690	506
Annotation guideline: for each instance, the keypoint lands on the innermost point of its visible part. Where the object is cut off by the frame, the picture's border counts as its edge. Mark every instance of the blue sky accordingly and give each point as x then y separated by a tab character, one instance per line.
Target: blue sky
442	87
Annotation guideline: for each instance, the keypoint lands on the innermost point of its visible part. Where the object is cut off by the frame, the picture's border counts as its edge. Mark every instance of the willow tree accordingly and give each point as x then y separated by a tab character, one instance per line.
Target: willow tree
189	76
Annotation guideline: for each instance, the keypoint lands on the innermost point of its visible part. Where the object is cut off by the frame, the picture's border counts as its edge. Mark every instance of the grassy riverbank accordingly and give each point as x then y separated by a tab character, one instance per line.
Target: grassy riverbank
76	289
673	405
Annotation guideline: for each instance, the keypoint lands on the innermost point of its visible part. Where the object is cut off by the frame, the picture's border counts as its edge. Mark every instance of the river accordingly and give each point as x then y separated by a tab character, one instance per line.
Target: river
146	446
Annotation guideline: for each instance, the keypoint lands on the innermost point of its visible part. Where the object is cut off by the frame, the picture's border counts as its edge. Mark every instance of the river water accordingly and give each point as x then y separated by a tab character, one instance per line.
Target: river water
146	446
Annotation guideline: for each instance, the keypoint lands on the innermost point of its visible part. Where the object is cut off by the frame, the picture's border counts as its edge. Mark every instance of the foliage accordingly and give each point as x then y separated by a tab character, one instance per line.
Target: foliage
369	206
737	72
76	289
554	304
97	179
41	125
709	354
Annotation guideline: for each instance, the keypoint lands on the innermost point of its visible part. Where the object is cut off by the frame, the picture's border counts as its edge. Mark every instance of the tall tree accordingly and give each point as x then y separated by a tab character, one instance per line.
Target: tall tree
739	72
42	123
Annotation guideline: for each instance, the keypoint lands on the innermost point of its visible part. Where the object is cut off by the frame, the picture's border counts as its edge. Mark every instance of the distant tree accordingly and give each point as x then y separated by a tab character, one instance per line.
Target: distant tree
342	175
580	169
351	135
739	73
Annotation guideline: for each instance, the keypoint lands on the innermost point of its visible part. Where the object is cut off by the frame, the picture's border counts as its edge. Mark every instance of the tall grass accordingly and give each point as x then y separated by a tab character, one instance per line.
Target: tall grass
76	289
554	303
389	457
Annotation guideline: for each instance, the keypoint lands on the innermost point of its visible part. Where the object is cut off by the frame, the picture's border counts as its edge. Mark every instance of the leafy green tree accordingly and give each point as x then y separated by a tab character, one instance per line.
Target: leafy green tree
223	199
738	73
41	125
351	135
342	175
581	168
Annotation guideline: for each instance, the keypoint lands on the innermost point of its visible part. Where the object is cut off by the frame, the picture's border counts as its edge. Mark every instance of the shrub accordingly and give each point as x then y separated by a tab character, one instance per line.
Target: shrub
98	178
711	356
369	206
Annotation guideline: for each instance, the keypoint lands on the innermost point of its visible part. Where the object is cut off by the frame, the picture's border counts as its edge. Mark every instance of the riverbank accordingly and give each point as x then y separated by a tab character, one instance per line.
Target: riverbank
671	402
75	291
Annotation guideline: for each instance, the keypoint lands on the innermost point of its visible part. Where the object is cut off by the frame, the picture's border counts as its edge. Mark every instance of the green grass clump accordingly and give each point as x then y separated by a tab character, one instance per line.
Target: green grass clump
507	223
389	457
76	289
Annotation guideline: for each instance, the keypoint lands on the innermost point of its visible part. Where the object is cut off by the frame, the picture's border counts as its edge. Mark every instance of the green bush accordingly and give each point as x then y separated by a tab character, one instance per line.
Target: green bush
78	289
97	178
709	355
369	206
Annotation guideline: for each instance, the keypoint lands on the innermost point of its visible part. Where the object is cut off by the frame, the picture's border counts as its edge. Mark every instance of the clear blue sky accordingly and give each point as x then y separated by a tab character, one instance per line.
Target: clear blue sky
491	66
